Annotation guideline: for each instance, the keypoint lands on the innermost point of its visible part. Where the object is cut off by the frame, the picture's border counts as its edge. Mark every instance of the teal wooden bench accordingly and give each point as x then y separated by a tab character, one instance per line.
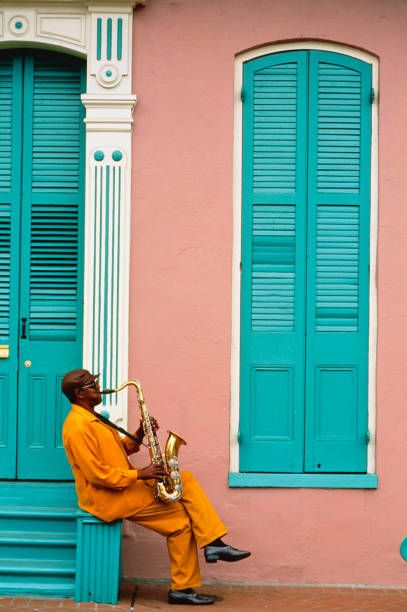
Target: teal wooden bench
98	560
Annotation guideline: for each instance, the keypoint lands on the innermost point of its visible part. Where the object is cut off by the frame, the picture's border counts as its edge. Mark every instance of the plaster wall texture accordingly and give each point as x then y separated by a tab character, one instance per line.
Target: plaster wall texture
181	316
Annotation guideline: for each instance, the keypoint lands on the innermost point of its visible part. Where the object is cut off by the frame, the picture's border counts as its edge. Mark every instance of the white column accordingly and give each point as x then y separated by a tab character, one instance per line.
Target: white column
109	107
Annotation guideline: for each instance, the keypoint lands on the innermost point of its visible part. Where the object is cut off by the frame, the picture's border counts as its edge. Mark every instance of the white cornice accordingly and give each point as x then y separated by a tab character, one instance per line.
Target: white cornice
61	4
109	113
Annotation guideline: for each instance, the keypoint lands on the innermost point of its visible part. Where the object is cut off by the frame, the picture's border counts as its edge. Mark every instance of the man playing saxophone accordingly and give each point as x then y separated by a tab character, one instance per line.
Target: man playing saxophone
110	488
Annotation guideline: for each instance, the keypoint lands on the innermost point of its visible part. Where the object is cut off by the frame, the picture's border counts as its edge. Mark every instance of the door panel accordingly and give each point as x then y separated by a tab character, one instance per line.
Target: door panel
46	258
51	292
273	264
338	263
11	75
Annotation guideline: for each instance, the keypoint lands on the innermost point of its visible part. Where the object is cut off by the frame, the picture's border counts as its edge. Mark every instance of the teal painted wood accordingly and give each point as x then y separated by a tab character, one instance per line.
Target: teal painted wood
51	257
99	38
338	263
50	548
38	539
273	264
304	481
403	549
10	192
119	47
98	560
305	198
109	38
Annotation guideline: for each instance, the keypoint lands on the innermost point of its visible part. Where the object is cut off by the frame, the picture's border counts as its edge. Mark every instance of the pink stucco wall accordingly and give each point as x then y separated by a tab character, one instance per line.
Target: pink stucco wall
180	331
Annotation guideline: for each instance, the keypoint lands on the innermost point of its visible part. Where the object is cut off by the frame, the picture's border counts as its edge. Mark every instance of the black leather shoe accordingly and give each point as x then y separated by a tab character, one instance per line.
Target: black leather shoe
181	598
224	553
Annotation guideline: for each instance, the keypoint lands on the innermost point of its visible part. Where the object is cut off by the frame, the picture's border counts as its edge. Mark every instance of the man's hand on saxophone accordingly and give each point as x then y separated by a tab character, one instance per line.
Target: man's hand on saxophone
140	431
152	471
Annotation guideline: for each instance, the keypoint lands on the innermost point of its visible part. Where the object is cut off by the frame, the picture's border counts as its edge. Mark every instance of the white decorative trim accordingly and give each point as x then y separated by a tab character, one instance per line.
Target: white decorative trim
108	238
113	114
237	209
18	25
70	29
101	32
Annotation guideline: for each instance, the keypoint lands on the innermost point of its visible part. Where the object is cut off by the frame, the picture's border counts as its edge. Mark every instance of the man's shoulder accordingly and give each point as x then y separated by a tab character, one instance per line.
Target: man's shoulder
76	421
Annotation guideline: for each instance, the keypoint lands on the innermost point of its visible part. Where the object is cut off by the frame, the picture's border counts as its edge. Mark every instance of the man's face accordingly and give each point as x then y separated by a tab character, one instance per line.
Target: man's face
90	394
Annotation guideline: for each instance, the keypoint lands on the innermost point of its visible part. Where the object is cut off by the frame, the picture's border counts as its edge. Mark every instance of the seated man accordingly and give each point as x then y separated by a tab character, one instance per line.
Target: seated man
110	488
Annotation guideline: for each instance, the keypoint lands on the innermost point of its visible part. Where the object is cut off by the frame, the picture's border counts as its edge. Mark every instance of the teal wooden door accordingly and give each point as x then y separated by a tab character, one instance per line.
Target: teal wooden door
305	263
273	263
41	256
338	263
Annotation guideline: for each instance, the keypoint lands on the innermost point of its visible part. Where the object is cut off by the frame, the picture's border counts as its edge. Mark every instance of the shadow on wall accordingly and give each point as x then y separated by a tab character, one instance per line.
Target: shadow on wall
144	553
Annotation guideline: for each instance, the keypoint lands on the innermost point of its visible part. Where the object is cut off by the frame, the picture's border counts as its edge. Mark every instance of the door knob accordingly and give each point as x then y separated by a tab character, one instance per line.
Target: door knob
28	363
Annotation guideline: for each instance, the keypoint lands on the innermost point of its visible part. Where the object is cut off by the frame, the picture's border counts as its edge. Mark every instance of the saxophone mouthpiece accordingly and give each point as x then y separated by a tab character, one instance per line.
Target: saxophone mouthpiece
107	391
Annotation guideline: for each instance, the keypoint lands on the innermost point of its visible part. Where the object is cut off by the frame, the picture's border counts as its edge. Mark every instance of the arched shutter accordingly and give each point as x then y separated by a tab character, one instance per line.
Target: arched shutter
305	263
338	263
273	263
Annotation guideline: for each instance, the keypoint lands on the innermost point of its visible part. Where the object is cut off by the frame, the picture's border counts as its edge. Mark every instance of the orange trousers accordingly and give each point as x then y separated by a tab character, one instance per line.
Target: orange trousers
190	522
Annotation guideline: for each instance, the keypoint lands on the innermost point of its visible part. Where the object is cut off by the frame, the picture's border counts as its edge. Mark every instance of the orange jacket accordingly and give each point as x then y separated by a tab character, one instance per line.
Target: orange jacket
106	483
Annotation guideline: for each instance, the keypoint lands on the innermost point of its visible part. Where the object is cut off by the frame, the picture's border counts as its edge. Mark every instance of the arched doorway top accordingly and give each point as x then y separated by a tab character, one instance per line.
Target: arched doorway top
98	31
318	45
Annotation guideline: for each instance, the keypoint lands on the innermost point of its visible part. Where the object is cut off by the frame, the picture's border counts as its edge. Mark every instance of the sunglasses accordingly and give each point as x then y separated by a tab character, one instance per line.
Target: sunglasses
92	385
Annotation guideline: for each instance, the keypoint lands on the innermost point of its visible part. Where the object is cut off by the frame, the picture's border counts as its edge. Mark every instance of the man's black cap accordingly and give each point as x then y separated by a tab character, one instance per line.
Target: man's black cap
76	379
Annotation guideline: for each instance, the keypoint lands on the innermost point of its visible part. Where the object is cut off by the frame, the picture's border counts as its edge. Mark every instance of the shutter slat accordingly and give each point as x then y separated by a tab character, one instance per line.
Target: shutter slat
6	113
275	104
339	93
5	275
56	143
54	253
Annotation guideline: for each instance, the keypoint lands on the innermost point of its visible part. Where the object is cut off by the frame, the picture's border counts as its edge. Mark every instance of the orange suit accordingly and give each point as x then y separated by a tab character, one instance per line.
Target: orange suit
107	486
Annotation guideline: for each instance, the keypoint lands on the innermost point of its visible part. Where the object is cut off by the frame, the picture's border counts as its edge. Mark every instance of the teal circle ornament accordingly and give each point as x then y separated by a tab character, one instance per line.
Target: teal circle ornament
117	155
18	25
403	549
109	73
99	155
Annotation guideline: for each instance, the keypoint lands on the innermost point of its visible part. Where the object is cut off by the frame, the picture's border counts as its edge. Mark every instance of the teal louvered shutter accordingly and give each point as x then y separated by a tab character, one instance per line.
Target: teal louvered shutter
272	354
51	300
305	263
338	268
10	148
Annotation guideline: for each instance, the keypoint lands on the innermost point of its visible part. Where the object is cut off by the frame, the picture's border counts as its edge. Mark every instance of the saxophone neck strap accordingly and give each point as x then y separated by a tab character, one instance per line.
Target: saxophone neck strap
114	426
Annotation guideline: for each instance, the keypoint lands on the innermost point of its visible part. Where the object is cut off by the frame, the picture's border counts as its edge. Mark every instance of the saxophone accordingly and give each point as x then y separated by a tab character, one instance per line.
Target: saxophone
170	488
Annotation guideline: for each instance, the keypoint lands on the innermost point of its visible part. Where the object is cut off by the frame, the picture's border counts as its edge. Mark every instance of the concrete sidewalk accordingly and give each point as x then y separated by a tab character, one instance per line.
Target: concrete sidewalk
232	598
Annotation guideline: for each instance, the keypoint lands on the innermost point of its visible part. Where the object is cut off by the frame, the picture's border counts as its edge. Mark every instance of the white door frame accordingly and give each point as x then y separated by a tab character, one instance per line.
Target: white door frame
237	233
